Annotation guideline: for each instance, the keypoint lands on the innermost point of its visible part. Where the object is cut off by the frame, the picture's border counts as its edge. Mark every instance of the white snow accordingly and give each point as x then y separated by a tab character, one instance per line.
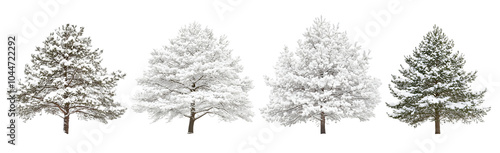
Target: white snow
168	86
459	105
433	100
305	79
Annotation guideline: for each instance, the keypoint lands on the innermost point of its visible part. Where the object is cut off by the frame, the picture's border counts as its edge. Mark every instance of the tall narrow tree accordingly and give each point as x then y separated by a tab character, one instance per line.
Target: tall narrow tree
65	77
195	75
435	87
325	79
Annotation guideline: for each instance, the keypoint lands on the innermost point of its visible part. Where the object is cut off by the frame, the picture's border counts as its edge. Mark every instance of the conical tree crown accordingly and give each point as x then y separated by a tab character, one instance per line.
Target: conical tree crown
435	83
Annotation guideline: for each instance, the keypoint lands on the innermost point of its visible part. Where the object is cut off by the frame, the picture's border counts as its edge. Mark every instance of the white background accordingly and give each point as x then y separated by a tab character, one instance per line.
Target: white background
128	31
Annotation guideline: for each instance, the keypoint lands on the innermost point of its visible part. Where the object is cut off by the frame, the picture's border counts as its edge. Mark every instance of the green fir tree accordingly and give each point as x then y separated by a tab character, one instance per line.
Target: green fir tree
435	87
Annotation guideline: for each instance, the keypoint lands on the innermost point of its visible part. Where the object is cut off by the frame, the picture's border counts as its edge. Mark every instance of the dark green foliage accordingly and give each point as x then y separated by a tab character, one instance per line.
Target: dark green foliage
435	87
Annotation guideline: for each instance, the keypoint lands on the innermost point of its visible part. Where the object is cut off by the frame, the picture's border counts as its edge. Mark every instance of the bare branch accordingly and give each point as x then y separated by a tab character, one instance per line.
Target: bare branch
202	115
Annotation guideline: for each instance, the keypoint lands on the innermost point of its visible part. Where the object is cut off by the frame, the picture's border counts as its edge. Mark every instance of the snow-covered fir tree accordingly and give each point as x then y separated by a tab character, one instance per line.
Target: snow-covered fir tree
435	87
65	77
195	75
324	80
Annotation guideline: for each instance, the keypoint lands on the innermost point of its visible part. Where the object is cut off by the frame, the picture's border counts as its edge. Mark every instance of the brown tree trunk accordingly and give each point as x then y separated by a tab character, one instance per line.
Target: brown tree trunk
191	119
66	118
191	125
323	121
66	124
436	122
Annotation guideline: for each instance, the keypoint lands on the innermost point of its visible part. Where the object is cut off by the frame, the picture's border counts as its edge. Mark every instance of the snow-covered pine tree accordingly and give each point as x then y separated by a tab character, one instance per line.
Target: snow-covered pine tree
195	75
435	87
325	79
65	77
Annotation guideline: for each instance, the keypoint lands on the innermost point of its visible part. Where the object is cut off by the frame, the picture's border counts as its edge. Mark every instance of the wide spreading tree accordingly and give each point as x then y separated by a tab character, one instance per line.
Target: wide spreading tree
435	87
65	77
195	75
325	79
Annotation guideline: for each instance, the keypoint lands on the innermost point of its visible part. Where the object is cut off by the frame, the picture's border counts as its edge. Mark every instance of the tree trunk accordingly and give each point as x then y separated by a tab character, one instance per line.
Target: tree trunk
66	118
66	124
436	122
191	125
323	121
191	120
